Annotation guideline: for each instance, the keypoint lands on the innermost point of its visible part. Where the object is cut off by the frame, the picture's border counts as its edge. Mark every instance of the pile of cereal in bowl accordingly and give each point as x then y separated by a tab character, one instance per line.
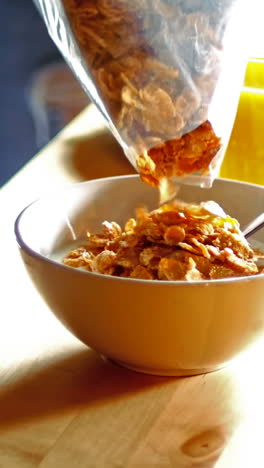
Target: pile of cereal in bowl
177	241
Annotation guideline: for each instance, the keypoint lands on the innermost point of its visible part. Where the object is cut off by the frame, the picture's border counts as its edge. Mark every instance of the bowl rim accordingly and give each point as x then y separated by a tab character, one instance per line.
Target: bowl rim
158	283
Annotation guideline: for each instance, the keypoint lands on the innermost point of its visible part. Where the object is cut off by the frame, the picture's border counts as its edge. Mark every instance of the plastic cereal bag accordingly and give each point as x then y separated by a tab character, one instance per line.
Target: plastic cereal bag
166	75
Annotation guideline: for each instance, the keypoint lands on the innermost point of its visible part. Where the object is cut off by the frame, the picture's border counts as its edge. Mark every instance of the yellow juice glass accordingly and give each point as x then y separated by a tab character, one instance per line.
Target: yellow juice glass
244	158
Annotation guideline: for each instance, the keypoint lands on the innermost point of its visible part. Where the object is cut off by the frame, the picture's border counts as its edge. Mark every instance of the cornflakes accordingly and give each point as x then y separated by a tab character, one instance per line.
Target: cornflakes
156	95
176	242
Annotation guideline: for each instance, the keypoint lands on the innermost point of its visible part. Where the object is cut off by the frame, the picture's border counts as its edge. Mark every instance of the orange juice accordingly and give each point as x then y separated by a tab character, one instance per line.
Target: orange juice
244	158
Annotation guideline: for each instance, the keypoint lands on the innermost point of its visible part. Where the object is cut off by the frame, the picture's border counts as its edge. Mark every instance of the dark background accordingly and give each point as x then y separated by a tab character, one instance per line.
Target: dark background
25	47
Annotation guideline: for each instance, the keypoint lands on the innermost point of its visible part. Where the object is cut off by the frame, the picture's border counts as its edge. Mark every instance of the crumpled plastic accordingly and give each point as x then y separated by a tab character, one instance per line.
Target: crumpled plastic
156	69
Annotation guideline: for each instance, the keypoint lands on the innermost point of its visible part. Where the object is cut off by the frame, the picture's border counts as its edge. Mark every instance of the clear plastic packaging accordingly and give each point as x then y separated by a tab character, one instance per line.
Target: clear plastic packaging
166	75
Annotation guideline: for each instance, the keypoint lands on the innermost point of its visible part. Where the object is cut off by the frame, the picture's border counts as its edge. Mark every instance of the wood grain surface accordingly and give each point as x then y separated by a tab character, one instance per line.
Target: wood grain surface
62	405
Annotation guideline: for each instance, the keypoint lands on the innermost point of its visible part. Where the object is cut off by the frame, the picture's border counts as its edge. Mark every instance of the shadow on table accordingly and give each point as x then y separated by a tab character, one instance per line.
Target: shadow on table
65	384
199	414
97	155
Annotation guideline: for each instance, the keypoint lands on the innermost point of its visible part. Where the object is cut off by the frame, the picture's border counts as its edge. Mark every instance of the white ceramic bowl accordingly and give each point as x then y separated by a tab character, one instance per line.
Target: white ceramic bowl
159	327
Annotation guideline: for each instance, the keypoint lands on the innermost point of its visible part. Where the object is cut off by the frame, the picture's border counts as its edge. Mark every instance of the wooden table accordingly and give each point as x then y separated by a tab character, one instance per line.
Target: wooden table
61	405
